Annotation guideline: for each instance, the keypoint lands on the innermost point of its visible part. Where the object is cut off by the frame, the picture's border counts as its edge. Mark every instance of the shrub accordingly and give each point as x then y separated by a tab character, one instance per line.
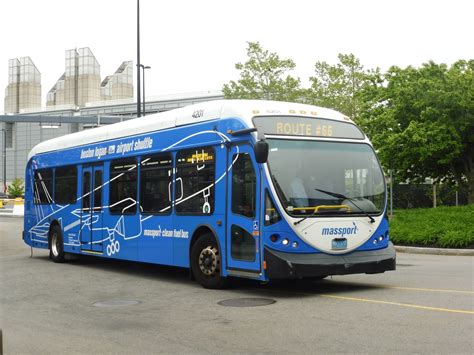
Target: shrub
447	227
16	188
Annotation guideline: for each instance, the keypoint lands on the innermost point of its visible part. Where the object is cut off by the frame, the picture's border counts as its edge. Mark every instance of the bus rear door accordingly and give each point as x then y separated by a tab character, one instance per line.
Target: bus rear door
92	209
243	241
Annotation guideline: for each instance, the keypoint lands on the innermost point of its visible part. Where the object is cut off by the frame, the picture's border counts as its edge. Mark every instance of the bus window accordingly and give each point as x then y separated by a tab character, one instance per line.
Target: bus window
271	214
123	187
243	186
65	185
243	244
86	187
195	171
155	183
97	190
43	186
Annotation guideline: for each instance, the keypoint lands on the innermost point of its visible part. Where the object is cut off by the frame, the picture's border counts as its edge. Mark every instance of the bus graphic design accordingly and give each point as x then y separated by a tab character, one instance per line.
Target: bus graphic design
255	189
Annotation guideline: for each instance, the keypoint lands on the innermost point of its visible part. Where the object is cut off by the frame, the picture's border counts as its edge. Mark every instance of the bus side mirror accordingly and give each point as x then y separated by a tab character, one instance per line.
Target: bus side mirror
261	151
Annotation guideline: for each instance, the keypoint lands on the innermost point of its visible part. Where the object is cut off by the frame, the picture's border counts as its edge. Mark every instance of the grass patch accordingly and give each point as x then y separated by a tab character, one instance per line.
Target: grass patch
445	227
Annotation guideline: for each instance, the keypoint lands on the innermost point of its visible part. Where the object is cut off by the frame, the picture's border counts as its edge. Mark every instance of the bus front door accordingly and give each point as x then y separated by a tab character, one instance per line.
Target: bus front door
244	243
92	209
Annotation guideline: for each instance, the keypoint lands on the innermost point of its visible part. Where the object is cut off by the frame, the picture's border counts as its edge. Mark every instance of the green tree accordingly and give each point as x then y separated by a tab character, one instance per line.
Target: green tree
16	188
421	120
338	86
264	76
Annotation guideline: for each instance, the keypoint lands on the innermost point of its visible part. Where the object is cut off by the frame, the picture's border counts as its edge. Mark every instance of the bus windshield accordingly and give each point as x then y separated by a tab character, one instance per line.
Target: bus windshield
326	178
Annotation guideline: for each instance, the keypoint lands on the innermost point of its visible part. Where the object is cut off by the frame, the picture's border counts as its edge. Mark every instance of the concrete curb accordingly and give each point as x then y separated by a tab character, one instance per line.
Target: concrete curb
10	215
434	251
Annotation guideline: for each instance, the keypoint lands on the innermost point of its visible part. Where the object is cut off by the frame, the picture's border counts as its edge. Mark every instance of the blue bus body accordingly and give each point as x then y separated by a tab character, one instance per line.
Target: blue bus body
103	219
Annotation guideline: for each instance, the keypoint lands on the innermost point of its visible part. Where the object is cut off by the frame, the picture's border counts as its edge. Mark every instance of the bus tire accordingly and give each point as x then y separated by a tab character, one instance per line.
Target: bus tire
206	262
56	245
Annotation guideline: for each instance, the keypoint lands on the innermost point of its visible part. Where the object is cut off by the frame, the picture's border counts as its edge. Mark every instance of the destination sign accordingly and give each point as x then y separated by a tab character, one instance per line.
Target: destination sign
306	126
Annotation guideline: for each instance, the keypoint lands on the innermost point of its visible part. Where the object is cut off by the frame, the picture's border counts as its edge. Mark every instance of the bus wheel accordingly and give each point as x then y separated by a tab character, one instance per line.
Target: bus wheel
56	246
206	262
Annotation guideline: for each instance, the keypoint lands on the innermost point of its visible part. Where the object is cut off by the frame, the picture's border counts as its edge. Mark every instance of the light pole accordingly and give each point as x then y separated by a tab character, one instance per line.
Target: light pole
139	106
143	68
4	158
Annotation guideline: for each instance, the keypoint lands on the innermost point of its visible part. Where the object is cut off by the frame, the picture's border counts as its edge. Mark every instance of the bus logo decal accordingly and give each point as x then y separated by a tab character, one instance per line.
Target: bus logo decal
341	231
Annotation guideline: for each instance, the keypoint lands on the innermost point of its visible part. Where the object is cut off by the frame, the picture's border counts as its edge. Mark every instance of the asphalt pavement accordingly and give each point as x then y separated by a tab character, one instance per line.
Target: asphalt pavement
91	305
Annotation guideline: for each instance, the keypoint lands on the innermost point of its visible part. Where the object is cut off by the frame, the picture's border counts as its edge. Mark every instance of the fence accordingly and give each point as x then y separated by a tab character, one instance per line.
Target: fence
421	195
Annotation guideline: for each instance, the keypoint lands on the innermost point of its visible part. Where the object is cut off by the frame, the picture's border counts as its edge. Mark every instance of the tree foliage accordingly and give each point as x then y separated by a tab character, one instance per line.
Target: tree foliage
264	76
338	86
422	122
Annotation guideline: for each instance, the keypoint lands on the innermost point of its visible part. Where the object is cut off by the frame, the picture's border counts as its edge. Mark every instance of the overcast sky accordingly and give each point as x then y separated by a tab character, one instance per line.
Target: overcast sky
193	45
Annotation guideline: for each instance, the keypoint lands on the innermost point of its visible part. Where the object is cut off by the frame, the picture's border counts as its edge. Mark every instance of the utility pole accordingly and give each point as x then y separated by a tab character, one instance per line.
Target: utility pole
139	104
144	67
4	158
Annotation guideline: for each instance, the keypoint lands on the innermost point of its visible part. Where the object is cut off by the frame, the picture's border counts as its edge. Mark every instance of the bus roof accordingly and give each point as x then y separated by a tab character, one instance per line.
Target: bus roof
243	109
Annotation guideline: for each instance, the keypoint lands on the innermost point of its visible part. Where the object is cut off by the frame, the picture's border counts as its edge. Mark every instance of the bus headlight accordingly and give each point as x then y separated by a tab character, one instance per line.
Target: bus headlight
285	241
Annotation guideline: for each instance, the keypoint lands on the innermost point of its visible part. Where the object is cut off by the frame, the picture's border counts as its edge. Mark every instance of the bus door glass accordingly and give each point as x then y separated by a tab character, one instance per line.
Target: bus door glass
244	244
92	208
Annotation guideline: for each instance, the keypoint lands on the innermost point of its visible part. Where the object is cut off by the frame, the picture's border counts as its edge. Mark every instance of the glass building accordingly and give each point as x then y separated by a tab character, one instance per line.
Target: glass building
24	85
80	83
119	85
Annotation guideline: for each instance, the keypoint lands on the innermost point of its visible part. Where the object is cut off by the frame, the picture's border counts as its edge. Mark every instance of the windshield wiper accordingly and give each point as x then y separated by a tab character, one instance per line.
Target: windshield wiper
302	219
342	197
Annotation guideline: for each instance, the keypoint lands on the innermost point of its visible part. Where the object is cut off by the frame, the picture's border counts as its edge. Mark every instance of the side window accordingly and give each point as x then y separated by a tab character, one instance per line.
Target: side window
243	185
123	186
242	245
86	188
98	189
271	214
195	175
65	185
155	183
44	186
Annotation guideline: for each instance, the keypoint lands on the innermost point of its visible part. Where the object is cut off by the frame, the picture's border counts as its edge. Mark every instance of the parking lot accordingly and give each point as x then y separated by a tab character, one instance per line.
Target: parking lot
90	305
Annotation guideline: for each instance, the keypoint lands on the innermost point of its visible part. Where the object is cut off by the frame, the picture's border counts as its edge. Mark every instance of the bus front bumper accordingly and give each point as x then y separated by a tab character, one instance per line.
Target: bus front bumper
295	266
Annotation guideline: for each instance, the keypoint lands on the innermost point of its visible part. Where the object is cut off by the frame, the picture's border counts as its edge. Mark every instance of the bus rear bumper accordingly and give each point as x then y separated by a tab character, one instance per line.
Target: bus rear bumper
295	266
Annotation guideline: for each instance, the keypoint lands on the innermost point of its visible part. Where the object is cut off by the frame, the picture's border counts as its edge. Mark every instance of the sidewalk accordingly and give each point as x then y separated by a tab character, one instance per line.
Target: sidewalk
9	213
14	208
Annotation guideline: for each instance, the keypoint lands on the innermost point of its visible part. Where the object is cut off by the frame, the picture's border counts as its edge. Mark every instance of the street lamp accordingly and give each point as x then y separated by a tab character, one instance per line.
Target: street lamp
4	158
139	106
143	68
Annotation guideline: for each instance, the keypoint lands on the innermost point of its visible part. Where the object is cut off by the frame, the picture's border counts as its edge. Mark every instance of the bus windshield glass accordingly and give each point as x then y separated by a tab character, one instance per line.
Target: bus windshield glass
326	178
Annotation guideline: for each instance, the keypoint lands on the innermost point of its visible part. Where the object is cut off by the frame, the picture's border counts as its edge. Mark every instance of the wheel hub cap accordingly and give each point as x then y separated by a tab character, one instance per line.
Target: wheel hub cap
209	261
55	244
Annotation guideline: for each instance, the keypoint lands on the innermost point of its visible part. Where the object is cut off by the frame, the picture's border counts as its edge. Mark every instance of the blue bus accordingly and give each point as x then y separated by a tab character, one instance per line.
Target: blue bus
255	189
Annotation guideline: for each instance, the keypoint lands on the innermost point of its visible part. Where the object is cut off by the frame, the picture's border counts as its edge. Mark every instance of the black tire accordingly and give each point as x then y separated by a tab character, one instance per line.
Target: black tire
206	263
56	245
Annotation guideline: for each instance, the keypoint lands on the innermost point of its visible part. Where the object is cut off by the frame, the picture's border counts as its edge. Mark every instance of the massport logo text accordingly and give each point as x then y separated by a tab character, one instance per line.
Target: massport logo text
341	231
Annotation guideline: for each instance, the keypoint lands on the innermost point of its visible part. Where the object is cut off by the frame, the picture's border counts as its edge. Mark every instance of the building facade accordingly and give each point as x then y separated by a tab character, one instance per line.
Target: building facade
80	84
24	85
